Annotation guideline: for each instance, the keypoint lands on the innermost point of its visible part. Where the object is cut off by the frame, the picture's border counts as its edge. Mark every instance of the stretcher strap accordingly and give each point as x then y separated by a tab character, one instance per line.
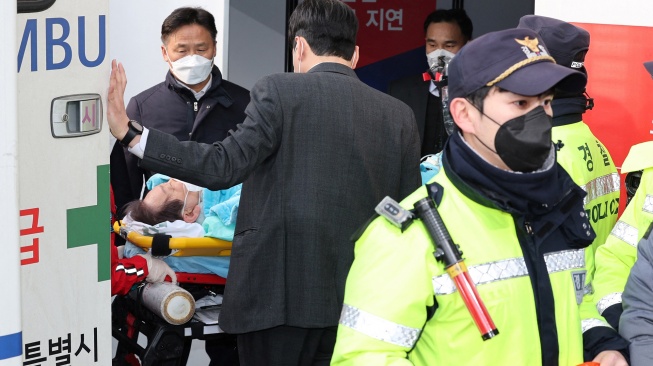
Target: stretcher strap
160	245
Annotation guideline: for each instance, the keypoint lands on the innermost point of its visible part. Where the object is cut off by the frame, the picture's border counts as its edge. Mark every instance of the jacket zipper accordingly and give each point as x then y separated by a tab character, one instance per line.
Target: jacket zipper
195	106
533	255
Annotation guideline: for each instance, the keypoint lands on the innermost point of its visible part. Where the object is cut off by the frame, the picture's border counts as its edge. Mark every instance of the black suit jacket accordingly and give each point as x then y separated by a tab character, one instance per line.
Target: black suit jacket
414	91
316	152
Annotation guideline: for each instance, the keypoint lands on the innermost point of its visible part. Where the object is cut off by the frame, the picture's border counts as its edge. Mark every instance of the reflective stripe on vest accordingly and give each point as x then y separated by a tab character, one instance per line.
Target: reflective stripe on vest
607	301
588	324
625	232
601	186
130	271
511	268
378	328
648	204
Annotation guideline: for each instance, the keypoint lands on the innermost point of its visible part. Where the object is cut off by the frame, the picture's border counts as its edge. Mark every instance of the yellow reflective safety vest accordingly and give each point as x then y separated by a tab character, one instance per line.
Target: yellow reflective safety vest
590	165
616	257
395	279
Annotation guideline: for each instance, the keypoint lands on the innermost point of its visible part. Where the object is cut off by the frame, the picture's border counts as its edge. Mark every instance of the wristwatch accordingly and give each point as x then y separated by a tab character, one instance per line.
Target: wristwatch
135	129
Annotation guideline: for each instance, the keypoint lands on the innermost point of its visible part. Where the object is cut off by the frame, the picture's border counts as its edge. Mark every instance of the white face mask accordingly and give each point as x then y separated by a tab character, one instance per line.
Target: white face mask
192	188
191	69
433	58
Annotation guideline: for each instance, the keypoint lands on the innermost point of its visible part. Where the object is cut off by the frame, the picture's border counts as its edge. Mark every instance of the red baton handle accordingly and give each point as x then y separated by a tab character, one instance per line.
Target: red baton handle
448	252
472	300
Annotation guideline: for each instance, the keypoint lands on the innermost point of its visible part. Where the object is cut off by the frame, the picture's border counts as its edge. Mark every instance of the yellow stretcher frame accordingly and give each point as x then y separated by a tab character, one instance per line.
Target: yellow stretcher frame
186	247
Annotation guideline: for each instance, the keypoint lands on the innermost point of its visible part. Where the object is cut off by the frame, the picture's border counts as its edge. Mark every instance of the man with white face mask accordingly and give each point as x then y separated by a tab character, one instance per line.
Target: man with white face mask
445	32
193	103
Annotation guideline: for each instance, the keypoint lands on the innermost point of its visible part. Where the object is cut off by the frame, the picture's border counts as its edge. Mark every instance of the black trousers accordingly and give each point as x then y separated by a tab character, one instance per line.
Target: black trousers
287	346
223	351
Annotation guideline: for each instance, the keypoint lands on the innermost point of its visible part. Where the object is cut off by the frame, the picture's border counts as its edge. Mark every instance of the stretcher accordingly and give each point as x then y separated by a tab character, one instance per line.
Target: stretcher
142	333
178	247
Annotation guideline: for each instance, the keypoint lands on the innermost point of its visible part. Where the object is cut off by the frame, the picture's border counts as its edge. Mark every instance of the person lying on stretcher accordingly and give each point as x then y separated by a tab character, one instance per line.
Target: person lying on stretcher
180	209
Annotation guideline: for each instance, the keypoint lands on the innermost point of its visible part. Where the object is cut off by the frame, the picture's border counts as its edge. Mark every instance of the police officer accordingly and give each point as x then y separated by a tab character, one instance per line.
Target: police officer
517	216
617	256
613	263
636	222
580	153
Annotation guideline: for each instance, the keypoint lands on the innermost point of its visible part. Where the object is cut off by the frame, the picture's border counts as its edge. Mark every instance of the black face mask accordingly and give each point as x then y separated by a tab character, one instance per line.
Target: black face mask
524	142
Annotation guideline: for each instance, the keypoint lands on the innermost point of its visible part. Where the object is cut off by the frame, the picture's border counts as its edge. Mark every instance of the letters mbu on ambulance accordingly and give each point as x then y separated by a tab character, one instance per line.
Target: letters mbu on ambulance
30	37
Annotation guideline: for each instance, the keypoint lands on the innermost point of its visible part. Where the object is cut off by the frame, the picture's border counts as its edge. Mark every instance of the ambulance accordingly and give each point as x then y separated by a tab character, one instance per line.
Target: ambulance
55	288
55	303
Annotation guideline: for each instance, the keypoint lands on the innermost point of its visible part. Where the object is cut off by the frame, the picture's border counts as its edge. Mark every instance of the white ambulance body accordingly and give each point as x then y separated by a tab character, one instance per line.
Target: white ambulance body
10	311
59	60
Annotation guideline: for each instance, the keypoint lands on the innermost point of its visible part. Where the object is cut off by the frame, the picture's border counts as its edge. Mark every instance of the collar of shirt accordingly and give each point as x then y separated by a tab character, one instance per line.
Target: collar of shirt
433	89
200	93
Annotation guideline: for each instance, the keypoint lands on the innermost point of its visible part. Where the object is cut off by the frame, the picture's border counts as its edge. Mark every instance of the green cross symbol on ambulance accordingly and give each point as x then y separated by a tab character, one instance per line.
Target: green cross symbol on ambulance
91	225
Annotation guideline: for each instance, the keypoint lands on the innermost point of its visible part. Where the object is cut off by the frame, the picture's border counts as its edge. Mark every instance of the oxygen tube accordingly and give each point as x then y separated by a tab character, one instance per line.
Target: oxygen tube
449	253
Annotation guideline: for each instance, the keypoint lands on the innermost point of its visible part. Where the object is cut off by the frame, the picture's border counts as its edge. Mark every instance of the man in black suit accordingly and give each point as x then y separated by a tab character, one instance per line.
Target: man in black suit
445	31
317	152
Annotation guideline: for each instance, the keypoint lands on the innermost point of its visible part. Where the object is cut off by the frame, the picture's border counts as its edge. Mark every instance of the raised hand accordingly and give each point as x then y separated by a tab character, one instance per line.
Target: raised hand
116	113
